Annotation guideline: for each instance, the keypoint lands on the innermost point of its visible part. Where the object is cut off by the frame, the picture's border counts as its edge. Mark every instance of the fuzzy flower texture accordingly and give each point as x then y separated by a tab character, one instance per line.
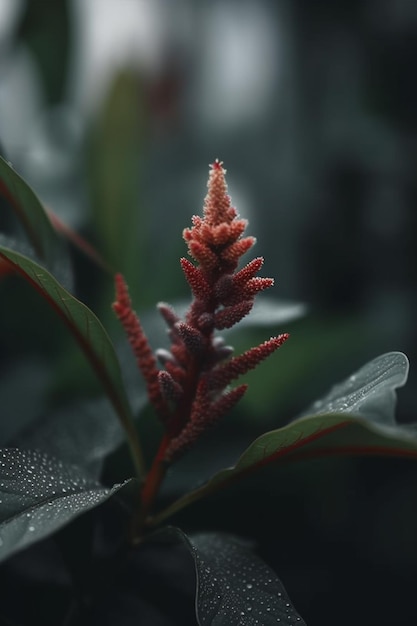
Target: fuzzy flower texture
190	393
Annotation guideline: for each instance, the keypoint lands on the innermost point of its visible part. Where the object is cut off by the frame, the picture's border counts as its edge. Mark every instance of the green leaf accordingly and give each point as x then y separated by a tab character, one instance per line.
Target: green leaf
234	586
356	417
269	312
370	392
90	335
114	177
31	215
39	495
83	434
19	410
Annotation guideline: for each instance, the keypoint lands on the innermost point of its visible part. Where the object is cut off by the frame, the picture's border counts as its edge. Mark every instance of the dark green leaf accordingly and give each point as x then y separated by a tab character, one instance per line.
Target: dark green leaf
18	409
272	312
357	417
83	434
32	215
89	333
370	392
234	586
116	160
39	495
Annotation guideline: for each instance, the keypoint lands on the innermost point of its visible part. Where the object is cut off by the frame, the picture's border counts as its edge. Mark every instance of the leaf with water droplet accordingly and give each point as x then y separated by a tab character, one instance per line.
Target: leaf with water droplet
39	495
234	586
370	392
90	334
356	417
83	434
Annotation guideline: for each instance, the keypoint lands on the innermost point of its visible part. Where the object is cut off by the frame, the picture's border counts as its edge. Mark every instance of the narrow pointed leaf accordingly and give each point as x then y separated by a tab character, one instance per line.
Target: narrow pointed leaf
30	213
87	330
356	417
39	495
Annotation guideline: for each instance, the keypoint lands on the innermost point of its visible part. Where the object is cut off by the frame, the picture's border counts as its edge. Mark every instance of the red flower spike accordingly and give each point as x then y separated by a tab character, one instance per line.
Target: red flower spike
170	389
203	255
168	313
221	376
192	338
255	285
226	402
145	358
231	315
249	271
199	286
183	442
200	424
238	249
191	391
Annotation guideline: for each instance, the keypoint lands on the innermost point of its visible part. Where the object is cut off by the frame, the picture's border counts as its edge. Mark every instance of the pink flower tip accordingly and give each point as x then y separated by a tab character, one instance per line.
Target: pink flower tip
217	165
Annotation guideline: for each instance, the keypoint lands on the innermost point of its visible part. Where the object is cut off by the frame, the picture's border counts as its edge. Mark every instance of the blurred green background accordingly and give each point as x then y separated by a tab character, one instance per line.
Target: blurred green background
112	111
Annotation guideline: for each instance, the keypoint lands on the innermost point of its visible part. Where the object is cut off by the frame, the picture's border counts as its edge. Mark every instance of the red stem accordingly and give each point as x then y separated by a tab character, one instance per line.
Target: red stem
154	478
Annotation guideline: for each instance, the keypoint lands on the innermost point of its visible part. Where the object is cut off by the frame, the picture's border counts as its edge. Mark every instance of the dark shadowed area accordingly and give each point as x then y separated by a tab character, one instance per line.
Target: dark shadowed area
112	111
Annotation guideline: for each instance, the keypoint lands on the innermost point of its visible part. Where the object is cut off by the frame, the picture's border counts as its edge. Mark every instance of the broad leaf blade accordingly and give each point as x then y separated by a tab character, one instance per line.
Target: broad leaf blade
39	495
83	434
370	392
87	330
358	418
234	586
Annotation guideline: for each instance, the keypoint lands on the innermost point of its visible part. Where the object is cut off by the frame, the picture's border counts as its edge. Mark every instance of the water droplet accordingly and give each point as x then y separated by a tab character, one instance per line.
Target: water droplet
249	585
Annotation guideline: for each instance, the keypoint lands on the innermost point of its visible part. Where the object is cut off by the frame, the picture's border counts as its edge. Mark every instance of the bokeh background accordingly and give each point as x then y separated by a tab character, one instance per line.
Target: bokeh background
112	111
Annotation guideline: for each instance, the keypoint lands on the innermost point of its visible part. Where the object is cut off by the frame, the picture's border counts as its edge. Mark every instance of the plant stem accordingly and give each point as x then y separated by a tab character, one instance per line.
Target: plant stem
135	449
154	478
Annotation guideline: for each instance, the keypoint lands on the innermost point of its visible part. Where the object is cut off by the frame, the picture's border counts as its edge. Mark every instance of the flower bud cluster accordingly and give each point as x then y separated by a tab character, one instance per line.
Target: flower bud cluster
191	392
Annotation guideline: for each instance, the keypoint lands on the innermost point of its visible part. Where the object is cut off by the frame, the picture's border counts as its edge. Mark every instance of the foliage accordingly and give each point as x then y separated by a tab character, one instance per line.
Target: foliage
89	520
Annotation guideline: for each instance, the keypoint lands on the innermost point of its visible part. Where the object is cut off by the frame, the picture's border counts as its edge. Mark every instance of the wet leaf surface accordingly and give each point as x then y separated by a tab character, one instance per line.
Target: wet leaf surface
85	327
234	586
39	495
356	417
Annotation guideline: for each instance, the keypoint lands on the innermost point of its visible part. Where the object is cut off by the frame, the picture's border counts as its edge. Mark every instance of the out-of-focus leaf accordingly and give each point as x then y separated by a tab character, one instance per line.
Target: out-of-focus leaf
89	333
79	242
33	217
272	312
22	392
266	312
115	167
357	417
46	26
234	586
39	495
83	434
